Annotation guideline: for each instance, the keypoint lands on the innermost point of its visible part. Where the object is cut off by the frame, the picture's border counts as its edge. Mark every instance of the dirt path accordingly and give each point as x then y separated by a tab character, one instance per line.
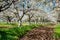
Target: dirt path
39	33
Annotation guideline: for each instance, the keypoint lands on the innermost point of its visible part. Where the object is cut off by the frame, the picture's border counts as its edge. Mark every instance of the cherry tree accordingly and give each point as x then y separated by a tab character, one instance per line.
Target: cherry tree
5	4
25	9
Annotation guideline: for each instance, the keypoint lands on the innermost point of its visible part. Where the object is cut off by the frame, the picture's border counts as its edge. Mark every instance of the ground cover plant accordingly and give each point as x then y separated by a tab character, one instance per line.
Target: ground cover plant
15	32
57	30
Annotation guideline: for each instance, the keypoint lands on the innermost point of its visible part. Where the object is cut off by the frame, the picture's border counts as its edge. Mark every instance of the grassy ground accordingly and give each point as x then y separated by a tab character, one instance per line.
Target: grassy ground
5	24
12	24
57	30
14	32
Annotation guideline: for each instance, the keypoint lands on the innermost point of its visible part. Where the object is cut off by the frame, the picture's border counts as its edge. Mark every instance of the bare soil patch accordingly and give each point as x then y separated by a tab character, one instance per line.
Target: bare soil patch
39	33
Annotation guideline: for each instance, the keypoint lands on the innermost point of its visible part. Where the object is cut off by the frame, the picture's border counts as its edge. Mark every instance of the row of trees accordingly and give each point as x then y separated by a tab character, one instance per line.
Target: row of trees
25	9
28	7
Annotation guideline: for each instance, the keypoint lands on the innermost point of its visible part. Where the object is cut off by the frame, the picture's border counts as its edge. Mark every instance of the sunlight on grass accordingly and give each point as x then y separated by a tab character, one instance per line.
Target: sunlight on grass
5	24
14	32
57	30
57	25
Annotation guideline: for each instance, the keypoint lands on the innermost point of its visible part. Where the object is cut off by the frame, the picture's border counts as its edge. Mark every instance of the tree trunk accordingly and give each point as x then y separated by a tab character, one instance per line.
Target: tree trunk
19	23
29	20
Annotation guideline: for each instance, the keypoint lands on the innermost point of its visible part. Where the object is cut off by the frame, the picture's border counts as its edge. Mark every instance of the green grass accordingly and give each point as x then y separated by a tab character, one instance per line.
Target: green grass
57	30
2	24
15	32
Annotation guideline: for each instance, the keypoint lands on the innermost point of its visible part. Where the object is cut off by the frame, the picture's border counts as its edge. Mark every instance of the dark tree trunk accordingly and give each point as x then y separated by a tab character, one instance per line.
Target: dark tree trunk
8	19
29	20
